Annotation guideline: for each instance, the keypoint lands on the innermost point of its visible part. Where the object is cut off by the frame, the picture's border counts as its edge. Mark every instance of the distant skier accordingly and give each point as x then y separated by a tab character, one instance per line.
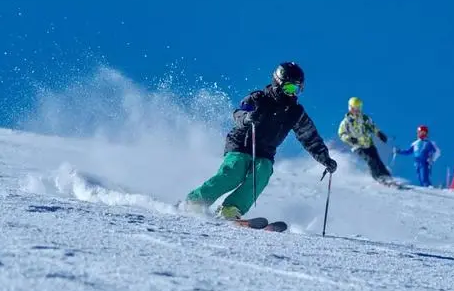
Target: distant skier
425	153
356	130
274	111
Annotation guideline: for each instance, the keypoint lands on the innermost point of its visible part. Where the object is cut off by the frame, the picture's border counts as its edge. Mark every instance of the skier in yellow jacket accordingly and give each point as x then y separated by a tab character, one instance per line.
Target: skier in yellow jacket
356	130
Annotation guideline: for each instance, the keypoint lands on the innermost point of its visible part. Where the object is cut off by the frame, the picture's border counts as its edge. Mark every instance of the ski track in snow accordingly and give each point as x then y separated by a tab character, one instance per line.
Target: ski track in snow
64	228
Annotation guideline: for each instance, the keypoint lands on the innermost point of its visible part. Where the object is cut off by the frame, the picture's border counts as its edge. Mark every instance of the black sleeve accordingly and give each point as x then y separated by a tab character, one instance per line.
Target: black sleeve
248	106
307	134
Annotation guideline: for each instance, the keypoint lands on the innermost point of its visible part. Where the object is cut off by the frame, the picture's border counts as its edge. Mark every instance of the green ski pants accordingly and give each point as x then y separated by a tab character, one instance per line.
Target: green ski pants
235	174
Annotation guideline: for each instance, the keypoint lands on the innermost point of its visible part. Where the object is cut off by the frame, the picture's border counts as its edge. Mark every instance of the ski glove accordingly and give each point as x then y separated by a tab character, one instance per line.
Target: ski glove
249	118
382	136
252	116
331	165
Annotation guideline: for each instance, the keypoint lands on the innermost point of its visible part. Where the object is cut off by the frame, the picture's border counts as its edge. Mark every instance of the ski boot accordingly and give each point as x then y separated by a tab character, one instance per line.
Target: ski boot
228	212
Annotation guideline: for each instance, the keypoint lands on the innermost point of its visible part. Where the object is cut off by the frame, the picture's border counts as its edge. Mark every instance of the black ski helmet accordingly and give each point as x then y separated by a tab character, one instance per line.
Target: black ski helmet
288	72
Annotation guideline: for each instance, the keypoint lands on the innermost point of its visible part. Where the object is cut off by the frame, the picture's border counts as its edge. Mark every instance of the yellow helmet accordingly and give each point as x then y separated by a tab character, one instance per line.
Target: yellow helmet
355	104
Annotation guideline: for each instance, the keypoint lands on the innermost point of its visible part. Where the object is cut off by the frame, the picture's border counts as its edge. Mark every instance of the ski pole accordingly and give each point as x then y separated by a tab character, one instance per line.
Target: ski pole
448	175
393	161
254	178
327	198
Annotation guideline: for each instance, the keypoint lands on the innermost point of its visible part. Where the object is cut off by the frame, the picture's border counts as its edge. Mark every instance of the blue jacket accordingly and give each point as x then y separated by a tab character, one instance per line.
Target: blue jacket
423	150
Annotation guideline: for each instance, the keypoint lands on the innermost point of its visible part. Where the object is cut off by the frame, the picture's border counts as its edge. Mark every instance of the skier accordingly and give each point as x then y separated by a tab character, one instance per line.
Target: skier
356	130
425	153
274	111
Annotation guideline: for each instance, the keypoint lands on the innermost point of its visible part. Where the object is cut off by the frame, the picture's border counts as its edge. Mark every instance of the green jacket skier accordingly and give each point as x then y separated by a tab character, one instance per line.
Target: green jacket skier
274	111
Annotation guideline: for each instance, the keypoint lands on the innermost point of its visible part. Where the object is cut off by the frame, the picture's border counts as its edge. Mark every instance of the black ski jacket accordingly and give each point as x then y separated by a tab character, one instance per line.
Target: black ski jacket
274	115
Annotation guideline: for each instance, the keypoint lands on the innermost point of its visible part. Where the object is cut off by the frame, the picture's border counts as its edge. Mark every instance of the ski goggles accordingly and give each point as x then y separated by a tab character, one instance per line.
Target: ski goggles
292	88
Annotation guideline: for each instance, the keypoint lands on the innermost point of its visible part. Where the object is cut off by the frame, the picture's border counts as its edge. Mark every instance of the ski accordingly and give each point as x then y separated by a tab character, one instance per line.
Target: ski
277	226
262	223
255	223
395	184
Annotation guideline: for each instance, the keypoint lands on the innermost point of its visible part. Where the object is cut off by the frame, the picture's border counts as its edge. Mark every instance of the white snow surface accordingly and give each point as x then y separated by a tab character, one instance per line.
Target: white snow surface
96	213
63	228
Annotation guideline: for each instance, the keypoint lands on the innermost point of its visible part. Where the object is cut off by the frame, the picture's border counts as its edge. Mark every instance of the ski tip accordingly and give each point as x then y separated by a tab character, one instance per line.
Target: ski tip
278	226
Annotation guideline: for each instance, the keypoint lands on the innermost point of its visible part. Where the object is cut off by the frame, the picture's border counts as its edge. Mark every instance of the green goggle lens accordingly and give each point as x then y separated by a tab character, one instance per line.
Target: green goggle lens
292	89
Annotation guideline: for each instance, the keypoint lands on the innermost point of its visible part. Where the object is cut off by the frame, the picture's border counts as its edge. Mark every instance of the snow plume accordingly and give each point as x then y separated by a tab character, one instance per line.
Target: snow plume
69	182
155	141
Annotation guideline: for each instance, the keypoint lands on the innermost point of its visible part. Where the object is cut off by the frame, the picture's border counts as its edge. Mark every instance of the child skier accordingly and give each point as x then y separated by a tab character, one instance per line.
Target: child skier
356	130
425	153
274	111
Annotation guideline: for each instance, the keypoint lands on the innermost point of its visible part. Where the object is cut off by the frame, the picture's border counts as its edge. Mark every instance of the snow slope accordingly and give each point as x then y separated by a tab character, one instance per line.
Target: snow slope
94	212
65	229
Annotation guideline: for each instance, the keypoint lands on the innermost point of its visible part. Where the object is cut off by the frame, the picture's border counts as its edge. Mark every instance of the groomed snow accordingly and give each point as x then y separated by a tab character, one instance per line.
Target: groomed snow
91	215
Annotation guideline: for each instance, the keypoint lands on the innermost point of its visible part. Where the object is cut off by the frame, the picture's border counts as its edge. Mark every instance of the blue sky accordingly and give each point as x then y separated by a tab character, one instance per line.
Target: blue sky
396	55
